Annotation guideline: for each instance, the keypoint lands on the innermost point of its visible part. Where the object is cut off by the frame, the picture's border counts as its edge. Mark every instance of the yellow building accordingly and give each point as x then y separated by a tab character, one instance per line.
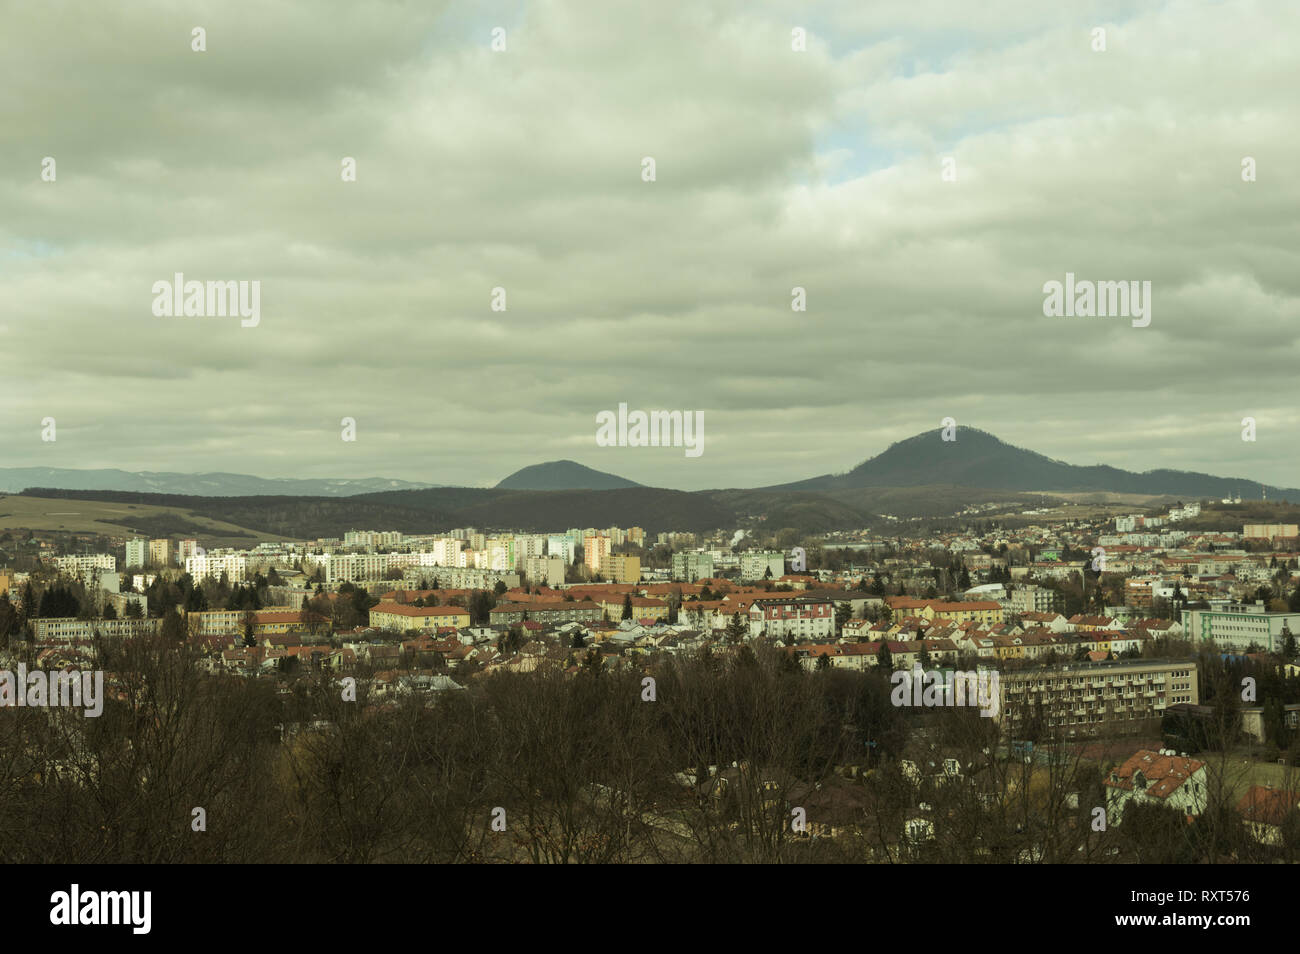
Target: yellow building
401	617
620	568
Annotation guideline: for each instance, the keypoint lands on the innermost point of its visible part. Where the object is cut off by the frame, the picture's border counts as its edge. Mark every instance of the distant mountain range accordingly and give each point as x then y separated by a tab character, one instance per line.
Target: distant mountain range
14	479
563	475
923	477
978	459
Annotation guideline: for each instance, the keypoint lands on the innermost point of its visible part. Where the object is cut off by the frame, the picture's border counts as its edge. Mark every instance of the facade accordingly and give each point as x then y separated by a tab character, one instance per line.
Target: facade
400	617
234	565
160	551
561	545
762	565
1156	778
137	552
692	565
69	629
1034	599
595	548
547	570
82	566
1084	698
792	618
1269	531
1238	626
564	611
621	568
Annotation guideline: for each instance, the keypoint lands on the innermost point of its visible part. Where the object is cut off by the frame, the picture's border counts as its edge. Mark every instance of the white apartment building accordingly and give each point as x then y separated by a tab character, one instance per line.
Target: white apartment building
762	564
82	565
563	545
233	564
1237	626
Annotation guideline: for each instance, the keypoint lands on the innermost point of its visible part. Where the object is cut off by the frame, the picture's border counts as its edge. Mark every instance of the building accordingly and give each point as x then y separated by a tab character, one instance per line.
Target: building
70	629
786	618
692	565
986	613
186	549
137	552
1034	599
160	551
1239	626
595	548
563	546
761	565
1268	812
400	617
1156	778
1086	698
547	570
233	565
1269	531
85	565
564	611
621	568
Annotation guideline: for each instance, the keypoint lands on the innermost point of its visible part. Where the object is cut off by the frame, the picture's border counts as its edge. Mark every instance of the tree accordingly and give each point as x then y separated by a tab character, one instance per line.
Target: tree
843	613
736	629
110	611
627	606
884	658
249	622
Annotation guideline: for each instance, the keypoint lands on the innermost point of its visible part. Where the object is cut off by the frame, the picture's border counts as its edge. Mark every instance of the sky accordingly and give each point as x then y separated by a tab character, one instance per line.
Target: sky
522	169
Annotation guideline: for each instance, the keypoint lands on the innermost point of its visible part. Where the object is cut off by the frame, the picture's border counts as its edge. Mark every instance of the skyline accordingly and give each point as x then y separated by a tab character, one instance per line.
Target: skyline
1248	485
820	169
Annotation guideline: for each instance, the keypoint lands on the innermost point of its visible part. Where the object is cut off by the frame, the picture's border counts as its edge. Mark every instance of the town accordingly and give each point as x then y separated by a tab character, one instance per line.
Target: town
1141	668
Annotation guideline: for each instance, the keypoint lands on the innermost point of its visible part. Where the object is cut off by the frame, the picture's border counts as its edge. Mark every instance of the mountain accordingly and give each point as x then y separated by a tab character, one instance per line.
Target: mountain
978	459
14	479
563	475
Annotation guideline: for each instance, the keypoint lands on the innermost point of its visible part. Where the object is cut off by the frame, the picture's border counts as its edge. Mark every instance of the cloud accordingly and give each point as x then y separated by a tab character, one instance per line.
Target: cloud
522	169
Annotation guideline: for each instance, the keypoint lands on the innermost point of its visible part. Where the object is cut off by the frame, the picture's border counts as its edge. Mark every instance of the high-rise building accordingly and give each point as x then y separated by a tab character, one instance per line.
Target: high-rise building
137	551
594	550
160	551
692	565
621	568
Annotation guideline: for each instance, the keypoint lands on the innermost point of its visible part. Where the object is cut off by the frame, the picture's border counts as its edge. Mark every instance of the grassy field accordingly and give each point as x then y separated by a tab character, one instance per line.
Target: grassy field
90	516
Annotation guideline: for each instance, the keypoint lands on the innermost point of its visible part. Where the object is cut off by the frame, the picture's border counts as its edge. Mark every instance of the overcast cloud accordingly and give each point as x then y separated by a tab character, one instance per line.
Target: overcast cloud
522	169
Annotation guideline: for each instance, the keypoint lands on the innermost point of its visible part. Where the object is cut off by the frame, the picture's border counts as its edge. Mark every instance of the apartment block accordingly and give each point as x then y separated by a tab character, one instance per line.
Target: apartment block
401	617
692	565
137	552
70	629
1034	599
761	565
1239	626
160	551
594	550
621	568
792	618
547	570
1087	698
